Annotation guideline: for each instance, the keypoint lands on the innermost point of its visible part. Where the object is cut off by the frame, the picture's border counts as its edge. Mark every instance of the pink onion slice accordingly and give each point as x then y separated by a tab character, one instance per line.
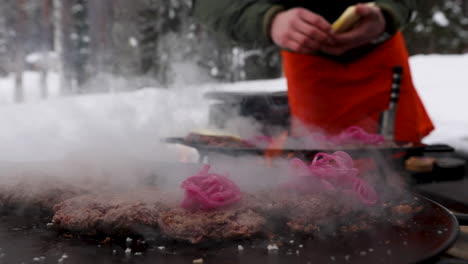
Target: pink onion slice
366	193
337	168
330	172
303	180
355	134
206	191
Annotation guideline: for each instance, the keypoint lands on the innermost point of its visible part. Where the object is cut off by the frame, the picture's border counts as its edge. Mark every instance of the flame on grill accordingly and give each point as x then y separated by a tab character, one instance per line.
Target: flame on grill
275	148
186	154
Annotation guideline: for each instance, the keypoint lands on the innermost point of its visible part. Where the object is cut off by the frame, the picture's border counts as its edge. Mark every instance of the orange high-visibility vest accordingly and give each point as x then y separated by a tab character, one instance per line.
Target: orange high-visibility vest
330	95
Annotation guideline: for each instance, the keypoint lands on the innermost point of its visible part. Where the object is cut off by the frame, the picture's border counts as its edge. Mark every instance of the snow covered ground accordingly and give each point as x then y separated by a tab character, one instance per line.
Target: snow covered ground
442	82
130	124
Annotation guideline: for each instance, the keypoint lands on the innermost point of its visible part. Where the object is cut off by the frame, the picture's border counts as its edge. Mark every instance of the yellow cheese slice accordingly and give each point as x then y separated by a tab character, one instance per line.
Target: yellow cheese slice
347	20
215	133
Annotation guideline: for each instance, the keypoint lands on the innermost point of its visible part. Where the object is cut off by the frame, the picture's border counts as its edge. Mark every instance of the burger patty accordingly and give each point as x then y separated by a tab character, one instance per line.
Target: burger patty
199	226
148	209
130	212
36	195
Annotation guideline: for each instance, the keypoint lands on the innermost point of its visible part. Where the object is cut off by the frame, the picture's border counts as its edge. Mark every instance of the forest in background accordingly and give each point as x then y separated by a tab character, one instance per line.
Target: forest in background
157	42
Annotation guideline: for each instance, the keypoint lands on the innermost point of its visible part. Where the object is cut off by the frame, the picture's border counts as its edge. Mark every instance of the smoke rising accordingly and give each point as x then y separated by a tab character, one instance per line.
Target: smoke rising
99	144
119	136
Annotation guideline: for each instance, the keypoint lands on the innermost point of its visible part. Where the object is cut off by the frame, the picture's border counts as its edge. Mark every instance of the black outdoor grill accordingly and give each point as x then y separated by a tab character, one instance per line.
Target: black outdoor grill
429	233
269	109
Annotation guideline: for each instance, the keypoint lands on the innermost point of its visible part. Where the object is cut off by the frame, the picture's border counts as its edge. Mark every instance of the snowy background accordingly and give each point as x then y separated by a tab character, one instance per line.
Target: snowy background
131	124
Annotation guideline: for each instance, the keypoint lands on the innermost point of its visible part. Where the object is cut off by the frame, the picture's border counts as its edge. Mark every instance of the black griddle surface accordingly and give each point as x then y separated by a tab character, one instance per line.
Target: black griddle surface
429	233
402	148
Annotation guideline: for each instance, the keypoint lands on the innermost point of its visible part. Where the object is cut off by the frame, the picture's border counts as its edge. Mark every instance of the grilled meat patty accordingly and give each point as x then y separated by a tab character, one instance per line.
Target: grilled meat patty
199	226
143	210
113	213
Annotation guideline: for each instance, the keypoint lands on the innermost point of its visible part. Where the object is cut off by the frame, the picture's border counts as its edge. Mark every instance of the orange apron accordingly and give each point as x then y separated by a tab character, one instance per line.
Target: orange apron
331	96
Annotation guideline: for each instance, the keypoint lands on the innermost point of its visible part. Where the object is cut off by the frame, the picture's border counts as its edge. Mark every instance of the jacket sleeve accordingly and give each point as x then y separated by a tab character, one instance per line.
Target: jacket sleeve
397	13
244	21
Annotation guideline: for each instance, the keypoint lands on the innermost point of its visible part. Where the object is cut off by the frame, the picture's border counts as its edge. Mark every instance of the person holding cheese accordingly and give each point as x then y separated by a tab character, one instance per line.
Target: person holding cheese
338	57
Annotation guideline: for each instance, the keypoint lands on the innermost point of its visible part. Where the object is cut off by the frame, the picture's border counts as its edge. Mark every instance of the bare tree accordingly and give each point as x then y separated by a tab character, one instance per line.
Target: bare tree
19	49
58	41
43	46
439	27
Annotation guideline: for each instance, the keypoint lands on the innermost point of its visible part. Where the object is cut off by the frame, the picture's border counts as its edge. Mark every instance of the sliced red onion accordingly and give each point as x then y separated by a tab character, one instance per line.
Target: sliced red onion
366	193
337	168
303	180
329	172
208	191
355	134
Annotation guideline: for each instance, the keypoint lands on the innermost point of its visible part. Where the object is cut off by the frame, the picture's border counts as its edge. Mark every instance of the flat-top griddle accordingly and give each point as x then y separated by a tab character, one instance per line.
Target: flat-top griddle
400	149
427	234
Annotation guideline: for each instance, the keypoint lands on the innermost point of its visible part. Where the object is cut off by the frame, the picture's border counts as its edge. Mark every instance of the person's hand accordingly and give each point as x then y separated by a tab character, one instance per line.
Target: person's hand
370	27
300	30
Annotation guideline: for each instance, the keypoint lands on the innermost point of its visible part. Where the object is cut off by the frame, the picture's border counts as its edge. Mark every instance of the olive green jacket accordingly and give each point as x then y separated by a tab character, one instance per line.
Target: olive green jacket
248	21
